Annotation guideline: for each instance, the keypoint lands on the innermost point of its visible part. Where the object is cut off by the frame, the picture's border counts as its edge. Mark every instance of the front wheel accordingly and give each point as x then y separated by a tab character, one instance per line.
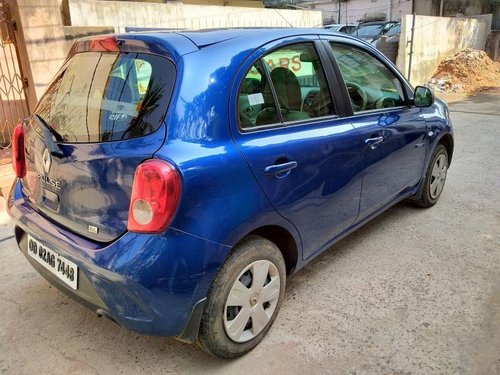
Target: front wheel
435	178
244	299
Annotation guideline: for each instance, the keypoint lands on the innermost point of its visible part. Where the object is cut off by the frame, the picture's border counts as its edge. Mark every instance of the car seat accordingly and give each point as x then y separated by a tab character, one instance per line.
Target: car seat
287	88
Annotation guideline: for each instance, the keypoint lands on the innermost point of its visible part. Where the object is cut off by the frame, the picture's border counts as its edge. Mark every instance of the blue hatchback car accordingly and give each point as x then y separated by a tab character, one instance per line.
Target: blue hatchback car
173	181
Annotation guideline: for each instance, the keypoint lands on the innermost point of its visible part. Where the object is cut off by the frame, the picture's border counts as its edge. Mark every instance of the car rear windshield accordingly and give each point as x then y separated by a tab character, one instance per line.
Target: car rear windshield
100	97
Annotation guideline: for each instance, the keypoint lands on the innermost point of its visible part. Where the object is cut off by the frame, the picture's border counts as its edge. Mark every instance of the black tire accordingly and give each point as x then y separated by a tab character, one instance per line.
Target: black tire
426	198
213	337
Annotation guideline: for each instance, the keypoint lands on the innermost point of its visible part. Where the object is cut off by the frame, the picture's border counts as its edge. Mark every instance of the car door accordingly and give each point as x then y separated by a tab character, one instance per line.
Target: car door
394	132
306	158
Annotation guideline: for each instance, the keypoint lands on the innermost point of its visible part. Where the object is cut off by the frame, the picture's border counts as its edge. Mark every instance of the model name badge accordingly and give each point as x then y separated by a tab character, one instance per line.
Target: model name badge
49	181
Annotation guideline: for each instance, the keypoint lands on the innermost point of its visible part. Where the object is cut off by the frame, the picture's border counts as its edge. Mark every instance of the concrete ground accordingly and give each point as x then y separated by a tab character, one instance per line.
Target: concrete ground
415	291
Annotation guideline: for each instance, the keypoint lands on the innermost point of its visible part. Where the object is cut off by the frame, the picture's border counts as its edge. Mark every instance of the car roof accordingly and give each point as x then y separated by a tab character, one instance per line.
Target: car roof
376	23
181	42
203	38
339	24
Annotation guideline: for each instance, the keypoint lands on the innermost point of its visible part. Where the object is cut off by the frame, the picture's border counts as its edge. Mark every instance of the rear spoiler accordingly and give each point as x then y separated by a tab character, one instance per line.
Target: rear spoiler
166	44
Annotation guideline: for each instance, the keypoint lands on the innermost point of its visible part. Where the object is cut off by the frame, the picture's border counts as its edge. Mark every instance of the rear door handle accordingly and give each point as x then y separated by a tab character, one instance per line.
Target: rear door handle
280	170
373	142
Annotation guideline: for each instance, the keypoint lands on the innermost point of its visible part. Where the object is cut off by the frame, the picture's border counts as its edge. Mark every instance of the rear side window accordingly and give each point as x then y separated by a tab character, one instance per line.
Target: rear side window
286	85
255	101
100	97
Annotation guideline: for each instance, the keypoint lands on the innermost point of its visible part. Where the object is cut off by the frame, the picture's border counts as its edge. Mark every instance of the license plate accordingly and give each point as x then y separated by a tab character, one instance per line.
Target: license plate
64	269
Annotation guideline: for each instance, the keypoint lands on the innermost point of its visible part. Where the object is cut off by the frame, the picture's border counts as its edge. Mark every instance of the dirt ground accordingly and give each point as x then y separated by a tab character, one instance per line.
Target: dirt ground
415	291
468	71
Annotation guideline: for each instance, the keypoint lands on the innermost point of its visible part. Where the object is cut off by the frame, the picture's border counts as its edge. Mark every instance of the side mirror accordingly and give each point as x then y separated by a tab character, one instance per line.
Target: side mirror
423	97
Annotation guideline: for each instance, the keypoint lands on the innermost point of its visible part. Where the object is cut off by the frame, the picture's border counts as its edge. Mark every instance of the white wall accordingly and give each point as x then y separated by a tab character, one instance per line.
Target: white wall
183	16
354	10
43	34
357	9
46	40
437	38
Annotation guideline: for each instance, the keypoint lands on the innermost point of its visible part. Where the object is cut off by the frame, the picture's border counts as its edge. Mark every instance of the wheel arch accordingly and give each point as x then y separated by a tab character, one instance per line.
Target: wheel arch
283	239
447	141
280	236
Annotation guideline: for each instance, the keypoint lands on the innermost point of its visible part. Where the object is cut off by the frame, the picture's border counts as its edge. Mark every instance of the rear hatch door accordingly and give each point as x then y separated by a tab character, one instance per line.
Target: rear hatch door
105	112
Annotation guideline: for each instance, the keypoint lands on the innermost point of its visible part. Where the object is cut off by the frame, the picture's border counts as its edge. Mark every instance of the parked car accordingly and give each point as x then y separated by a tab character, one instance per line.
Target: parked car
371	31
173	181
340	27
388	44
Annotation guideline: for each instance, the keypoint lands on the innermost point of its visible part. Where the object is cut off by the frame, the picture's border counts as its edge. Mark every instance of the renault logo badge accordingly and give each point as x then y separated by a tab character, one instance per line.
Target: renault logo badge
47	160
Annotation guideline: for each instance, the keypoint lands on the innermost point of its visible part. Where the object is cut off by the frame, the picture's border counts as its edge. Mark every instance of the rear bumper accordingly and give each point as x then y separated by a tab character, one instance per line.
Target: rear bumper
152	284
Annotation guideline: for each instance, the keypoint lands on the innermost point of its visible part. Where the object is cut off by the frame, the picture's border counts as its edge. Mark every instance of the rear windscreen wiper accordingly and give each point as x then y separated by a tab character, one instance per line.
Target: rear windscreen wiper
48	132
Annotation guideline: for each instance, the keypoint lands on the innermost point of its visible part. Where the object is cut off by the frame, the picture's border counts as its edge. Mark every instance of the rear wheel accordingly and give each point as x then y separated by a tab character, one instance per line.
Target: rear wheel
244	299
435	178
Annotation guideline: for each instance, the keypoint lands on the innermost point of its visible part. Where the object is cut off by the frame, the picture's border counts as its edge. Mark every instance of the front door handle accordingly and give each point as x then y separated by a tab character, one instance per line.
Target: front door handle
373	142
280	170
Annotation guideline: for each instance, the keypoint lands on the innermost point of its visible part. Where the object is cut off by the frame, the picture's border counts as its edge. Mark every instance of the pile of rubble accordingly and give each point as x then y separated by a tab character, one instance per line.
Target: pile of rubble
468	71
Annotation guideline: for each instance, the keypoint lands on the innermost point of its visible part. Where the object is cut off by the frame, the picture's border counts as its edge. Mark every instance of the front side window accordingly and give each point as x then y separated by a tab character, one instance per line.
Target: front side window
102	97
297	89
370	84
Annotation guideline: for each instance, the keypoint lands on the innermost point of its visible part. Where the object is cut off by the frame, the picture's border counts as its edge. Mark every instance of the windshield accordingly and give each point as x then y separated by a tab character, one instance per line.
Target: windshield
395	30
369	30
101	97
334	28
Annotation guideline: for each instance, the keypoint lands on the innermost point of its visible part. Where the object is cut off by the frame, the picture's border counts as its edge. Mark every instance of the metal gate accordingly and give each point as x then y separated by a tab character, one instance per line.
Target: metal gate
13	95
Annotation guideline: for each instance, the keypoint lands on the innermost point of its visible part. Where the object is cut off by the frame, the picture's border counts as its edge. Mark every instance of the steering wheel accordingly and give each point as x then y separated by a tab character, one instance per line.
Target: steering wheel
358	96
385	102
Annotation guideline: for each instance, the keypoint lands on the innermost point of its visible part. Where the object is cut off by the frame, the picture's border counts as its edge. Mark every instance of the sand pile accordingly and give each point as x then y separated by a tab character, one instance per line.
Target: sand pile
468	71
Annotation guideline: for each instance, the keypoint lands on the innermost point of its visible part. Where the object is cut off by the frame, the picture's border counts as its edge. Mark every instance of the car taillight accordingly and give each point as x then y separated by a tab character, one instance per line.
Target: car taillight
18	153
155	196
